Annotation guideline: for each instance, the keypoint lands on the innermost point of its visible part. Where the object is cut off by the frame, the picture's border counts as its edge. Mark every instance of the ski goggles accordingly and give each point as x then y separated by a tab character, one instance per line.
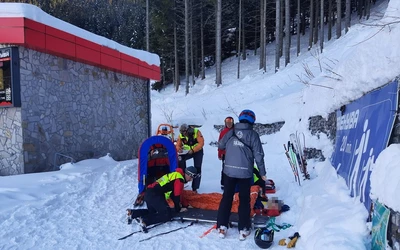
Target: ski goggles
249	114
193	175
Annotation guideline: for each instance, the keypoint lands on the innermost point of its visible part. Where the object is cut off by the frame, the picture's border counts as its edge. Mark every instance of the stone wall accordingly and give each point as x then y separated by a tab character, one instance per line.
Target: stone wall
11	155
72	111
317	125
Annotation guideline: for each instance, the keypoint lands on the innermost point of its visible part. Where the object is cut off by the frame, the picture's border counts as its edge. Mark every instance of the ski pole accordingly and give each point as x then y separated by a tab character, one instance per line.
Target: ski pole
155	225
208	231
167	232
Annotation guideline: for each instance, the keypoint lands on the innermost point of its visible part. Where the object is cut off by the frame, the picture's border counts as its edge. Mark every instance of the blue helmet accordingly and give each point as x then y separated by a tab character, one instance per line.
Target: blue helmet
247	115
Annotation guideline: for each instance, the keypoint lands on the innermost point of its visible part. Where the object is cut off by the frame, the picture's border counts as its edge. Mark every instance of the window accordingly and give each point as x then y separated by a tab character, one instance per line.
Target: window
5	80
9	78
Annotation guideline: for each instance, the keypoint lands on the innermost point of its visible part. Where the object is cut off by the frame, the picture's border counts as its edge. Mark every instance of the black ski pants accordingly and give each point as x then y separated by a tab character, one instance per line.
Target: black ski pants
197	161
158	209
225	206
222	170
261	183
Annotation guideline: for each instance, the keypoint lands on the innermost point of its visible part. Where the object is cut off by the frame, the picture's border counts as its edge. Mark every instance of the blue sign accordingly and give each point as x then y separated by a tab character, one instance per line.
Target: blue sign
363	131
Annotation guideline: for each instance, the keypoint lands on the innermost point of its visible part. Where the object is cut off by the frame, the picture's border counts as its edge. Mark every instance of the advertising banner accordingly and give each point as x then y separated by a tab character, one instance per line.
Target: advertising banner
380	222
363	131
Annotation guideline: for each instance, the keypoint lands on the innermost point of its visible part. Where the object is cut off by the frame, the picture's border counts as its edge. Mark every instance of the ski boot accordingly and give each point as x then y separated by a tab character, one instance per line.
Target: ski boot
129	216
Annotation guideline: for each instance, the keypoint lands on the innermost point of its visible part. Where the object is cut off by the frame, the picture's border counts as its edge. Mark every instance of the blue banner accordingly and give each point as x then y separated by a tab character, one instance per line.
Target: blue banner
362	132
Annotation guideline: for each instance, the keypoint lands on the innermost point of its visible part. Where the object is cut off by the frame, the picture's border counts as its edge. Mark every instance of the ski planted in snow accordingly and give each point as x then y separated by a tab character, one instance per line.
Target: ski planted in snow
292	161
298	140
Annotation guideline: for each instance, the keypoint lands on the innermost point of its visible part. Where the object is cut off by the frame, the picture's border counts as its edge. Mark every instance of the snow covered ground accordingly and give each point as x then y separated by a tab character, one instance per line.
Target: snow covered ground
82	206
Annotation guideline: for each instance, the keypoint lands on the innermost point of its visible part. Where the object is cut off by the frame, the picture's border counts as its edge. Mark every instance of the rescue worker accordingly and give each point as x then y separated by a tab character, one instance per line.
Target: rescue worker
221	152
190	145
259	181
243	147
168	186
166	133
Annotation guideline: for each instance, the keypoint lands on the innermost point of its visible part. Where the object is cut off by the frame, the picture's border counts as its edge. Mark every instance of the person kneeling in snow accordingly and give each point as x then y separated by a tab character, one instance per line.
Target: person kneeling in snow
168	186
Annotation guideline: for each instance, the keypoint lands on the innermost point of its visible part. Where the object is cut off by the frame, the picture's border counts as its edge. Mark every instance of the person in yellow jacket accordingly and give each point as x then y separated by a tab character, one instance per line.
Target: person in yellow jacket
190	145
259	181
168	186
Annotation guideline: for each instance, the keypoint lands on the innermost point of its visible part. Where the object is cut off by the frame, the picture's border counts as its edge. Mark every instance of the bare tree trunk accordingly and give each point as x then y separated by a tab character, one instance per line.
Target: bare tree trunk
187	46
359	8
287	32
316	20
147	26
368	8
348	15
339	19
277	33
255	35
239	39
171	65
262	34
298	27
196	54
303	24
218	76
177	77
244	54
310	39
203	70
321	43
281	25
191	43
265	34
330	19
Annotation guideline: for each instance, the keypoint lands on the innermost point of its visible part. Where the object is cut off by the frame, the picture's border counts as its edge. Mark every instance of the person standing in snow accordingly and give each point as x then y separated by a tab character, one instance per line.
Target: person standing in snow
243	147
221	152
190	145
168	186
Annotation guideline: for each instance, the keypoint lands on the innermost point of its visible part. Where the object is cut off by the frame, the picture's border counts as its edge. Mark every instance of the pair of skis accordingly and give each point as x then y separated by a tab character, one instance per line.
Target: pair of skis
295	153
159	234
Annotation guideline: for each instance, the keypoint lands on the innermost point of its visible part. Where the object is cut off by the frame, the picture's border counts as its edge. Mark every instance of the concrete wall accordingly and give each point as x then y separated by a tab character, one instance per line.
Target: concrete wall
73	109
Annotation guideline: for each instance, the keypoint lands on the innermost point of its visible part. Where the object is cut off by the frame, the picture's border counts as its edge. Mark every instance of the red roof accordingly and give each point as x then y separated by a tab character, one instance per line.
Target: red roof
30	34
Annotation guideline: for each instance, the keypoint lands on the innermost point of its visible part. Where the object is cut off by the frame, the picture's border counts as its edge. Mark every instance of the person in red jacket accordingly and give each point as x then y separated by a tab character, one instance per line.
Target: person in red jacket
221	153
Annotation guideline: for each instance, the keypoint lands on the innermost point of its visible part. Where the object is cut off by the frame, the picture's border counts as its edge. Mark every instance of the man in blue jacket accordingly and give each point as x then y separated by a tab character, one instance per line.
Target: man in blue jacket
243	147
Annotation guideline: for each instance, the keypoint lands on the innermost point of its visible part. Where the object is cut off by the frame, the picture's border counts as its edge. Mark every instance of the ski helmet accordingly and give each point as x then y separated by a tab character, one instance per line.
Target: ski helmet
191	171
184	128
247	115
264	237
